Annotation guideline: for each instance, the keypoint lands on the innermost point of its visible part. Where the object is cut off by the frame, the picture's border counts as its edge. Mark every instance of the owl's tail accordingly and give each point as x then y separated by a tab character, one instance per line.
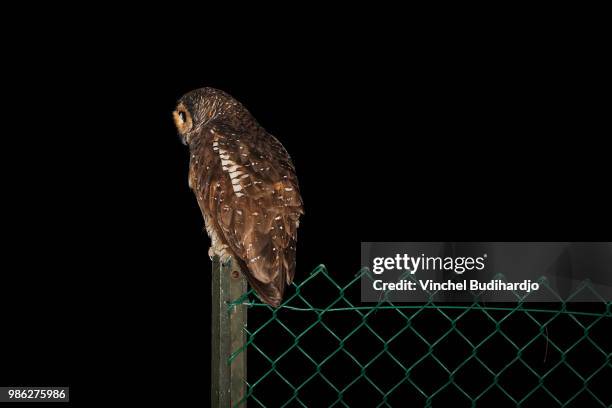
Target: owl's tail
270	292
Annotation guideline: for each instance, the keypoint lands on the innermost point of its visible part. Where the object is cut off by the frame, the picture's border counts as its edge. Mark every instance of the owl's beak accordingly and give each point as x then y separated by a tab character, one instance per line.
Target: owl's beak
183	138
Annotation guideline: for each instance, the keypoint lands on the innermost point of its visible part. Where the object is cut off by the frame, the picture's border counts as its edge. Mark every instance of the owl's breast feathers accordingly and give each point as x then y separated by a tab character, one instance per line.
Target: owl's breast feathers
248	192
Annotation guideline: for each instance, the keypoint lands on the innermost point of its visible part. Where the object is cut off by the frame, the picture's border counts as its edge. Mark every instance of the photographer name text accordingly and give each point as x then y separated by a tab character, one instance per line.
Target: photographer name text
450	285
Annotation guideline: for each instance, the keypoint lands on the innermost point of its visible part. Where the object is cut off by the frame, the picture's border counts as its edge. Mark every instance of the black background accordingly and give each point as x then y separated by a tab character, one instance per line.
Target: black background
106	275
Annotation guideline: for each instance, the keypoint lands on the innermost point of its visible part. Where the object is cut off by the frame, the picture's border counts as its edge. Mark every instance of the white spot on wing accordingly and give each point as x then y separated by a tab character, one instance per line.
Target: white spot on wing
232	169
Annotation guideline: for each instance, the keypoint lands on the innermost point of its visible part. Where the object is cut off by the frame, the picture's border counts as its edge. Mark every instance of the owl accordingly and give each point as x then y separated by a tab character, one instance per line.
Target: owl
246	187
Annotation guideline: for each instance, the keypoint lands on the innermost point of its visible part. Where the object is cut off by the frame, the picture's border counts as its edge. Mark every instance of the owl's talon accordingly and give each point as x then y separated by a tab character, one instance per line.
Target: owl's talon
211	253
225	259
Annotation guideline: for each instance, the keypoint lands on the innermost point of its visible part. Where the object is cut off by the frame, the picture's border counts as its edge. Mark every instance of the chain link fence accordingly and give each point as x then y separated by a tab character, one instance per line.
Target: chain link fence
323	347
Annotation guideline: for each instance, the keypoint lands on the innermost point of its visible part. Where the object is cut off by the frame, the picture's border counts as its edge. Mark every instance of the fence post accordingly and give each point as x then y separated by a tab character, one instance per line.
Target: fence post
228	382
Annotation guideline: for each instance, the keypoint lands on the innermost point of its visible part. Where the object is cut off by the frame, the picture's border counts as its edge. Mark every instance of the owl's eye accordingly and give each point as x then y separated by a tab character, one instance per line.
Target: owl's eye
182	118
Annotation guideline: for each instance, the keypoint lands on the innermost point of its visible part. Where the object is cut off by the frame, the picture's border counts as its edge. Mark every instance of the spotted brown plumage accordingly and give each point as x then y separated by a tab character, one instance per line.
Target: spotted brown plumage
246	187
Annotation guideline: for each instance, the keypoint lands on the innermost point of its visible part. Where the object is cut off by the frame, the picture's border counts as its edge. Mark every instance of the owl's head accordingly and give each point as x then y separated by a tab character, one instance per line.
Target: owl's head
196	108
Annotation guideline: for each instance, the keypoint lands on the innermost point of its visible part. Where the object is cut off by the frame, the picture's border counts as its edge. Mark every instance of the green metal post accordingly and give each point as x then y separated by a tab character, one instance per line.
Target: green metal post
228	381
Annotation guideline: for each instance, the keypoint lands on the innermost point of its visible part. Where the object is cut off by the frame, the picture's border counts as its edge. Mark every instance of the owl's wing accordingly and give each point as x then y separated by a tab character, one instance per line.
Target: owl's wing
254	203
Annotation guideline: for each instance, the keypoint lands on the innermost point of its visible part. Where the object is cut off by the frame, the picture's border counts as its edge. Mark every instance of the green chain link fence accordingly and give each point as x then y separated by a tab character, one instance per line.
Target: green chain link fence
323	347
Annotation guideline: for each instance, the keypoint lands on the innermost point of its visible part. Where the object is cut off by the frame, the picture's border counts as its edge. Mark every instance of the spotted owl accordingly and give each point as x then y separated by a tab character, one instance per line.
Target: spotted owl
246	187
